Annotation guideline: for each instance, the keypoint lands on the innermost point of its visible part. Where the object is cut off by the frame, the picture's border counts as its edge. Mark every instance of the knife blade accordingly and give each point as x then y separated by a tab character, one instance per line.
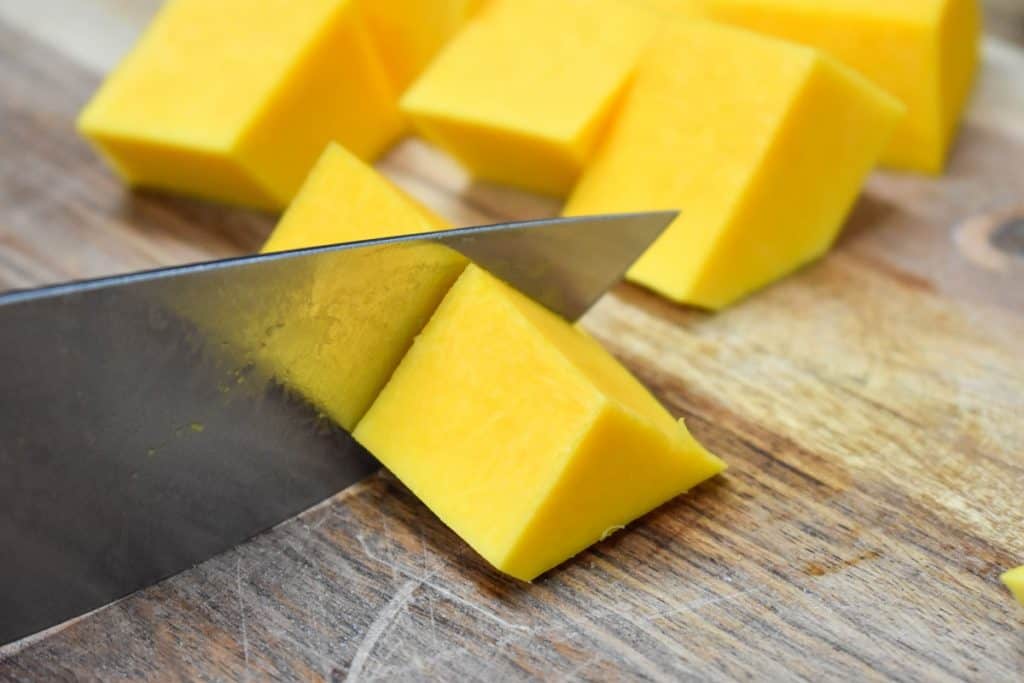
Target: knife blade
145	427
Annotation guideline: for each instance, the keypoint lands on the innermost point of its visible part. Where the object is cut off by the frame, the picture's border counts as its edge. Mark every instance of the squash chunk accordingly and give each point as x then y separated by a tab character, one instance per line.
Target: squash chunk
1014	580
762	144
680	9
346	338
409	33
522	433
234	100
344	200
522	93
361	320
925	52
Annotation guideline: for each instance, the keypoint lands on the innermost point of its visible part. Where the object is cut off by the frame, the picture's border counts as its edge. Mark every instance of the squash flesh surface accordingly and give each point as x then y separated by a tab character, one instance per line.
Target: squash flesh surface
737	150
1014	580
492	425
348	335
234	100
410	33
345	200
924	52
521	95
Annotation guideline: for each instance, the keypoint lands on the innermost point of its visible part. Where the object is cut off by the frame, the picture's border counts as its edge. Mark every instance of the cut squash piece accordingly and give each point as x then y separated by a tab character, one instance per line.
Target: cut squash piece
409	33
1014	580
925	52
345	200
348	336
521	95
364	315
349	317
678	9
234	100
762	144
524	435
352	315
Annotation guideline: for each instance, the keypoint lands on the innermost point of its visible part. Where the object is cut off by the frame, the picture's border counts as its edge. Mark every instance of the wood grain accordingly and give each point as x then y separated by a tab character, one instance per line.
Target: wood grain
1005	18
871	408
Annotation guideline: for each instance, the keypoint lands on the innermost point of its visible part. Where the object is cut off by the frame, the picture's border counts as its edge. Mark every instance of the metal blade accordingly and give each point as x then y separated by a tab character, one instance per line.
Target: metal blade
151	421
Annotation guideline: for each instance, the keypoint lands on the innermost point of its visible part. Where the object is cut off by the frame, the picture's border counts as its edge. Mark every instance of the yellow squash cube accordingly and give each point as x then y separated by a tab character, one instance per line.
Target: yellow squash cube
678	9
763	145
925	52
362	316
409	33
233	100
348	335
524	435
1014	580
521	95
344	200
349	328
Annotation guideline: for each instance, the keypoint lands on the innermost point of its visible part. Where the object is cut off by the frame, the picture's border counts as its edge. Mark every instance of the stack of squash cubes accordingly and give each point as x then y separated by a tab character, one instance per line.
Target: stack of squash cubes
759	120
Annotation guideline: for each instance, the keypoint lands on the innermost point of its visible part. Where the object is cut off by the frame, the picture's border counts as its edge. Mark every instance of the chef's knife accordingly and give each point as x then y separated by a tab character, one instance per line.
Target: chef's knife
137	437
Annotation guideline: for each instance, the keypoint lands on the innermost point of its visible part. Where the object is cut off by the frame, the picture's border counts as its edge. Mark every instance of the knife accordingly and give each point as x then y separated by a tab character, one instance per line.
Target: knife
141	433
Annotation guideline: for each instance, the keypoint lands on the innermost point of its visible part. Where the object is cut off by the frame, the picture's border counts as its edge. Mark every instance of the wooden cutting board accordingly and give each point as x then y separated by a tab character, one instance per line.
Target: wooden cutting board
871	409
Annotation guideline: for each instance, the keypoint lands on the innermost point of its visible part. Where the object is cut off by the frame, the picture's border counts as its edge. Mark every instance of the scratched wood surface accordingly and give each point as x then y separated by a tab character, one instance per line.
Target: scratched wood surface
871	409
